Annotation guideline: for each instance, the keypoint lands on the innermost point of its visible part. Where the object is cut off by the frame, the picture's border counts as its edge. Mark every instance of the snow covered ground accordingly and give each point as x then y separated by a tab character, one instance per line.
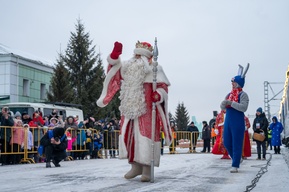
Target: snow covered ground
200	172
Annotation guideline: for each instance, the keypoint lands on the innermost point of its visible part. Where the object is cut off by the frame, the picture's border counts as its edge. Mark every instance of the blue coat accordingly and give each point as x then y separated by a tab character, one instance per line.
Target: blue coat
277	129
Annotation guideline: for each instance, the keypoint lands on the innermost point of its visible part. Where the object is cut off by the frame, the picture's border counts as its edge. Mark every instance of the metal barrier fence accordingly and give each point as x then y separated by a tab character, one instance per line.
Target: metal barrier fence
20	145
184	139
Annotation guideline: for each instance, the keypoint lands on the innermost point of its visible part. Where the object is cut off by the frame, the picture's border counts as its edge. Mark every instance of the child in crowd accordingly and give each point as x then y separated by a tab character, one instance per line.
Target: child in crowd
17	139
70	141
88	144
53	123
97	144
28	142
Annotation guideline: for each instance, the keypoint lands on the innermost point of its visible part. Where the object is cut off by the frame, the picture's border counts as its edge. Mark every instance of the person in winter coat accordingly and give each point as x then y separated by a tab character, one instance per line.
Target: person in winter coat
206	136
195	134
174	134
17	141
110	141
5	134
246	144
97	144
219	148
260	124
80	144
36	125
277	129
70	123
55	144
28	141
53	123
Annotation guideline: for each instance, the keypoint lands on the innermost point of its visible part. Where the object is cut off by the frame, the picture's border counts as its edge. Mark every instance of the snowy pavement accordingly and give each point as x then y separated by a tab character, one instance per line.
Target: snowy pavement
200	172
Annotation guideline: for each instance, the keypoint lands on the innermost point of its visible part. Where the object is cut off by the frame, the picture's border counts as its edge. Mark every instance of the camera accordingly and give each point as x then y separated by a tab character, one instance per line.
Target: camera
56	139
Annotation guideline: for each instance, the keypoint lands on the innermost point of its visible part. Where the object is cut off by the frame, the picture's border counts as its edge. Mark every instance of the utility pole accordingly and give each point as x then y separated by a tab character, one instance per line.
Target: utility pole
267	100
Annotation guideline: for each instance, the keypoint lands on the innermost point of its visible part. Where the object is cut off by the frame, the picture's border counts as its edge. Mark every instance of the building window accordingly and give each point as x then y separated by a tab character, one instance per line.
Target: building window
25	87
42	91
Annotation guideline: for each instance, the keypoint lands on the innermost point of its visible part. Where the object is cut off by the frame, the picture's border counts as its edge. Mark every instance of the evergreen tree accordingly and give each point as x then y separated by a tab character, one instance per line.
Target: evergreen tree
171	118
62	90
86	73
182	118
79	75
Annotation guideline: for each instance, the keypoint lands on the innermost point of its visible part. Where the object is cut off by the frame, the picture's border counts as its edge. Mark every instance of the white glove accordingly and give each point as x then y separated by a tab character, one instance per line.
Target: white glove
217	131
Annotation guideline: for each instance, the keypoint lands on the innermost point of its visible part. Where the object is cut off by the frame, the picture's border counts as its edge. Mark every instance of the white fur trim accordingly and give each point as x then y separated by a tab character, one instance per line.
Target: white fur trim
113	61
164	115
109	76
122	148
142	51
142	153
161	76
143	146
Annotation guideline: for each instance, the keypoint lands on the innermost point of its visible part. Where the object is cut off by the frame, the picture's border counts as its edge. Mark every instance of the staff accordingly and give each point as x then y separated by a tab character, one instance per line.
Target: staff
155	69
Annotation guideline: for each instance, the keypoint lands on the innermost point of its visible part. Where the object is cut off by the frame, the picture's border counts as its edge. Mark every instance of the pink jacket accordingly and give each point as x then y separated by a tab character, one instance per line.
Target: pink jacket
17	136
70	140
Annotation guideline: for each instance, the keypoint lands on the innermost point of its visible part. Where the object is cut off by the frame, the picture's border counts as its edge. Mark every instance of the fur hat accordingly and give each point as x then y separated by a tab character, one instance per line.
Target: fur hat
143	48
53	119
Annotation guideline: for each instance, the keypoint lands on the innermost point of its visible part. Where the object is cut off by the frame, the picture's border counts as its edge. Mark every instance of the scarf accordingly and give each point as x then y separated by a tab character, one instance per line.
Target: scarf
234	94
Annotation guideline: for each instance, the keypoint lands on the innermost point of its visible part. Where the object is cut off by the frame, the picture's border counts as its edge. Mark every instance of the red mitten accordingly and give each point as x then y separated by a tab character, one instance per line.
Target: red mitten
117	50
156	97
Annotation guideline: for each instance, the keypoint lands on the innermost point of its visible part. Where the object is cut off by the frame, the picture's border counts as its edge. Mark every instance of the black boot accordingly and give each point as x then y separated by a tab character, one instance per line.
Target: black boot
48	165
275	150
56	164
278	150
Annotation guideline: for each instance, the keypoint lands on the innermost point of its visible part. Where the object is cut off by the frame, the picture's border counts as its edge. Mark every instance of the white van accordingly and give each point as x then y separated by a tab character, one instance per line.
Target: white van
46	109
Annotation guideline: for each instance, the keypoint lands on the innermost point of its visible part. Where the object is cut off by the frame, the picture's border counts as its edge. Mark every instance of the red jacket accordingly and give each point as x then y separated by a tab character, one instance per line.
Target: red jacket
36	121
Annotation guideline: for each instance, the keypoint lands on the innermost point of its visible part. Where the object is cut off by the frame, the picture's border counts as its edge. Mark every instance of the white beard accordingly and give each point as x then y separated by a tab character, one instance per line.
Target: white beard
132	95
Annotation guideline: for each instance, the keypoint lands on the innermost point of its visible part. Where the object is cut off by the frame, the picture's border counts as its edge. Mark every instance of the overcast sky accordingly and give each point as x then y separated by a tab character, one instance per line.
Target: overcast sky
201	42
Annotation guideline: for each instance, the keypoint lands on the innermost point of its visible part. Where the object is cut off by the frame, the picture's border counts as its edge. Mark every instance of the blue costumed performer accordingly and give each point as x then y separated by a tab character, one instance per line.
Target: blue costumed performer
235	103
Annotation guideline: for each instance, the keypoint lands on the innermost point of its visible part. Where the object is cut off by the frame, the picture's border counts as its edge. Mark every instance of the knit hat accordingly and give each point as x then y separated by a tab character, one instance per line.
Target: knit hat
143	48
17	114
259	110
192	122
238	79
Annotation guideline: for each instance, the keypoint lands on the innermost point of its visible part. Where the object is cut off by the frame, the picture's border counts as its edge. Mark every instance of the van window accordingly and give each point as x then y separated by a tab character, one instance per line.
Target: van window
47	111
29	110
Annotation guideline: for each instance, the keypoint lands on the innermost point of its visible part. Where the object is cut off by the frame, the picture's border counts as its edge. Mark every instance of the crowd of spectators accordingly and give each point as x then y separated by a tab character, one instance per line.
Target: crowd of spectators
85	138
